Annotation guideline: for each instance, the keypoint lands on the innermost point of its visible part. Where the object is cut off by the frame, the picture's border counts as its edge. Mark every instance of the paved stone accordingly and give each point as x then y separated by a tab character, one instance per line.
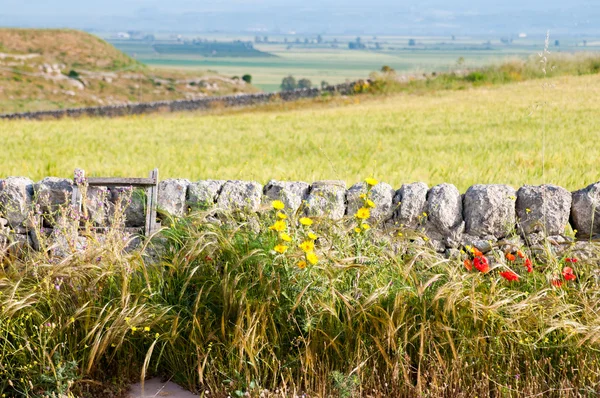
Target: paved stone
156	388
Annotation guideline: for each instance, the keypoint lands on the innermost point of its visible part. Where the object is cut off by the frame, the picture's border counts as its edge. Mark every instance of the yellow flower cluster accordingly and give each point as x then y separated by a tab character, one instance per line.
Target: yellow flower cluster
364	213
308	237
280	226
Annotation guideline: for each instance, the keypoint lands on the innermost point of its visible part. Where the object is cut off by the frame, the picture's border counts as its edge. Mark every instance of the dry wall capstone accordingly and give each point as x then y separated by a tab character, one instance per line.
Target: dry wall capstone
489	217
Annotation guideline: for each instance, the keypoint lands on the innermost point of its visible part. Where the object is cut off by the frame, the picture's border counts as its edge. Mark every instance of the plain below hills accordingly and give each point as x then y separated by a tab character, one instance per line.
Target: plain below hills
52	69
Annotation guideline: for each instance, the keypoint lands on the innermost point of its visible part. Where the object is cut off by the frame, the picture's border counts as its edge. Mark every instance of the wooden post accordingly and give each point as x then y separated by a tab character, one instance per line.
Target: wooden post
76	195
151	204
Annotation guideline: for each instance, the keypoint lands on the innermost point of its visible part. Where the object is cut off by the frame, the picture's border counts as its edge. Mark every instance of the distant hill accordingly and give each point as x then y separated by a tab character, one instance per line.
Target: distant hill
232	49
50	69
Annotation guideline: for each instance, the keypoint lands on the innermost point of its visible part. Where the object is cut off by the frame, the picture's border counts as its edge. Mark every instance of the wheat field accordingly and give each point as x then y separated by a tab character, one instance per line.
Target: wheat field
496	134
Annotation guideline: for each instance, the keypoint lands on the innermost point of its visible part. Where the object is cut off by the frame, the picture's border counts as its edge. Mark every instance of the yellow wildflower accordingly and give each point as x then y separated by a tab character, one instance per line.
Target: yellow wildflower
281	215
280	248
363	196
363	213
312	258
311	235
307	246
371	181
370	203
365	226
306	221
146	329
285	237
302	264
279	226
156	335
278	204
133	329
357	230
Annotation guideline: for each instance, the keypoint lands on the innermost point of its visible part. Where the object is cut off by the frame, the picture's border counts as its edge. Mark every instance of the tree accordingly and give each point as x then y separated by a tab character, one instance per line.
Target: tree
304	83
556	43
288	83
412	42
324	85
319	39
247	78
266	39
387	69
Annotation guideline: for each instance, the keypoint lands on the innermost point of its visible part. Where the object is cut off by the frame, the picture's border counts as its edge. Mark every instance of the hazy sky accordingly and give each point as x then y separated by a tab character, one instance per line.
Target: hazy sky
310	16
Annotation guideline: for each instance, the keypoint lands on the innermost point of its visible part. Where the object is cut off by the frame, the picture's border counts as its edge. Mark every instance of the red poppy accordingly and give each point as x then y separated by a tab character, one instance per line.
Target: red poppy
509	276
520	254
468	265
481	263
510	257
529	265
477	252
571	260
568	274
556	283
208	258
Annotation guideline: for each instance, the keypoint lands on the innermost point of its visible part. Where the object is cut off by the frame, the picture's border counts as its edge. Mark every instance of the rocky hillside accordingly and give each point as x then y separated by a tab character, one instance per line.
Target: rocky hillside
53	69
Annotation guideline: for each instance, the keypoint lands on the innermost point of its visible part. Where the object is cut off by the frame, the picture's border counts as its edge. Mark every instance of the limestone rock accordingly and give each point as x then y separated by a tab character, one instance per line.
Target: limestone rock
585	210
444	211
544	208
134	203
202	195
410	202
327	199
483	244
240	196
381	194
172	195
489	210
97	204
291	193
53	192
16	195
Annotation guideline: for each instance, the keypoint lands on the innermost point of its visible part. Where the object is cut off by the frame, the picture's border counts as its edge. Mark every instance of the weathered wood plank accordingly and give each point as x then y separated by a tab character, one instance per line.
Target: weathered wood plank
114	181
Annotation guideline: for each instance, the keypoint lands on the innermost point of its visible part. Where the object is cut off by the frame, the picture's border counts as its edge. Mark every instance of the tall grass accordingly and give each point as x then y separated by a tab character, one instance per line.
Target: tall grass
559	64
213	307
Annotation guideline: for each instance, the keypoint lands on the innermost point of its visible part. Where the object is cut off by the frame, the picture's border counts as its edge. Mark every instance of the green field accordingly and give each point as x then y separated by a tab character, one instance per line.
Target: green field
323	62
485	135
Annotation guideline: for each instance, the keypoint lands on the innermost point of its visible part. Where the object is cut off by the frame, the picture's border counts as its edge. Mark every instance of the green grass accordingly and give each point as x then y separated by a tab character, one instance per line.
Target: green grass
491	134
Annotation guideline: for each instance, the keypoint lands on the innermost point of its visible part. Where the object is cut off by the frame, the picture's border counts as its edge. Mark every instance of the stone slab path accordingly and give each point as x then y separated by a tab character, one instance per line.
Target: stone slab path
156	388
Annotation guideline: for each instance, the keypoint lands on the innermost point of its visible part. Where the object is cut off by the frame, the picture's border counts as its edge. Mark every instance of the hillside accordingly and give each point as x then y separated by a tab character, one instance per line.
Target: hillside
51	69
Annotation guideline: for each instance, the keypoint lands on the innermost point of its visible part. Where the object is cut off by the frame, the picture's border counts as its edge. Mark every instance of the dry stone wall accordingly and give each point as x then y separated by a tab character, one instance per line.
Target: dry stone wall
241	100
485	216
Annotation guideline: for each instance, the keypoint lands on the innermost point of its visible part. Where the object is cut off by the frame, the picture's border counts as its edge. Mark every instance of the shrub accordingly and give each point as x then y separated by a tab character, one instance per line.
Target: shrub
304	83
289	83
247	78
